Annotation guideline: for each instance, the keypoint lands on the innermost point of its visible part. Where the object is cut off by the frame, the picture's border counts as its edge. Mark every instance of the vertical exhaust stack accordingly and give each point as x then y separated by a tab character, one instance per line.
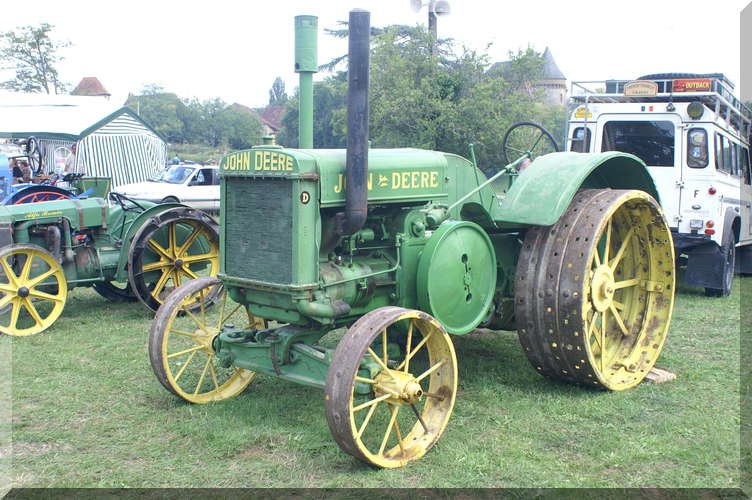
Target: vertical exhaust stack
305	65
356	173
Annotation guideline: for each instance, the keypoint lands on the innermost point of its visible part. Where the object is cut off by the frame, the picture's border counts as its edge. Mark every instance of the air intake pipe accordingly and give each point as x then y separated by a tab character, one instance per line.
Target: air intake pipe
356	170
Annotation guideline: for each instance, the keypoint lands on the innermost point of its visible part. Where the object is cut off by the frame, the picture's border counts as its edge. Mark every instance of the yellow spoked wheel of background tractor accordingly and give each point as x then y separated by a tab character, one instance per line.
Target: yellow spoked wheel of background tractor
595	291
391	386
33	290
181	342
172	248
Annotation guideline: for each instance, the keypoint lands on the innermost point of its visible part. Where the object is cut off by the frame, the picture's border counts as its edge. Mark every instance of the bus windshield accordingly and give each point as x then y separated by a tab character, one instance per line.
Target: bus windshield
651	141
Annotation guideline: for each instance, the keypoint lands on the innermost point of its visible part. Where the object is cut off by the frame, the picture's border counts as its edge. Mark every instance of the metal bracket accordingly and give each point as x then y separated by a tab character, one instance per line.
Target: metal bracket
652	286
273	353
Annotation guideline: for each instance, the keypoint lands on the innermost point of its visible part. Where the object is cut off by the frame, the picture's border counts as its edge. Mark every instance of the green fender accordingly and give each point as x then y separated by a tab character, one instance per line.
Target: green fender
135	225
543	191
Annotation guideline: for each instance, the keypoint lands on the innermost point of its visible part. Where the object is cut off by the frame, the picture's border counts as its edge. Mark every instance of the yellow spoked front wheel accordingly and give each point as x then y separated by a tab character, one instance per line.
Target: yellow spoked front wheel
595	292
181	348
172	248
391	386
33	290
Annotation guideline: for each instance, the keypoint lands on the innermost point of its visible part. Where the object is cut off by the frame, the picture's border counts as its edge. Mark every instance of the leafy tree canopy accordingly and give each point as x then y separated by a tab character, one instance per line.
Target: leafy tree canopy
32	55
329	101
212	122
443	99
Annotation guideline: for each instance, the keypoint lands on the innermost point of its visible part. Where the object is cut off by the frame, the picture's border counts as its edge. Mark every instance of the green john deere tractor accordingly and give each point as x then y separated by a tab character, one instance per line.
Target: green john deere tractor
126	250
405	248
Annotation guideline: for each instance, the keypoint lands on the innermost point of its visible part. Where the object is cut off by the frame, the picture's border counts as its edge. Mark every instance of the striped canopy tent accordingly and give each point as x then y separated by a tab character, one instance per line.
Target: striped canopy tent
112	141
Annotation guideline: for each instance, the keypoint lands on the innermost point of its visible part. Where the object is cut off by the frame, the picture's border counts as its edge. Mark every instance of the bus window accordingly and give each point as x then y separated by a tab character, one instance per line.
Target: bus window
697	148
651	141
739	152
745	166
728	166
720	146
733	148
717	152
578	144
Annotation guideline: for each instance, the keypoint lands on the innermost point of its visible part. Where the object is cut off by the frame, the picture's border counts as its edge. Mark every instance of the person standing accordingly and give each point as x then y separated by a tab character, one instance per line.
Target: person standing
70	162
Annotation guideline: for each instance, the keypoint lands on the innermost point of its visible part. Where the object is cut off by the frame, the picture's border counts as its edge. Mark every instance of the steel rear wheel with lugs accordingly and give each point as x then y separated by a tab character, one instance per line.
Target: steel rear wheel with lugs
594	292
391	386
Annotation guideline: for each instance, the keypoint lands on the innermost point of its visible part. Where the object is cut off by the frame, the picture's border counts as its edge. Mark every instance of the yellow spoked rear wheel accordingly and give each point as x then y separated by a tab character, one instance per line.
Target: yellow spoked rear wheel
181	342
33	290
389	395
171	249
595	292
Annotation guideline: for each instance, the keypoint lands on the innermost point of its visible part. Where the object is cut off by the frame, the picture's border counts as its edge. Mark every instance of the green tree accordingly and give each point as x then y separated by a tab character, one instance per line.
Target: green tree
277	94
162	110
404	32
211	122
447	99
443	99
215	123
329	97
243	129
32	55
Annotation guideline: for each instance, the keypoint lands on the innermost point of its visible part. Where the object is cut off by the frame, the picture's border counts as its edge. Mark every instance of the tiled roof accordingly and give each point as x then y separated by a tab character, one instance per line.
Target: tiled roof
272	116
90	85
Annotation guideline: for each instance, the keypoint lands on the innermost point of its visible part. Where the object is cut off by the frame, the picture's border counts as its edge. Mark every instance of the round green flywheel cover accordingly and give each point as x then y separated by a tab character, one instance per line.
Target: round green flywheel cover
457	276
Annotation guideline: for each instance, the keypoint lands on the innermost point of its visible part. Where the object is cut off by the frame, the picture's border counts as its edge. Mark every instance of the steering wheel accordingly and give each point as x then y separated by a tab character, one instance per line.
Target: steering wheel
527	138
123	200
34	154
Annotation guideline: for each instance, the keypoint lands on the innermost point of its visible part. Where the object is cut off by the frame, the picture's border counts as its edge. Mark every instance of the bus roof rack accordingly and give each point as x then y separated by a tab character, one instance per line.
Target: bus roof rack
719	97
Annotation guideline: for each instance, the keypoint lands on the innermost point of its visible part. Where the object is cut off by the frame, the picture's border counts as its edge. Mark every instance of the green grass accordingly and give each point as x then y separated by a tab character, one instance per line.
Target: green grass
88	412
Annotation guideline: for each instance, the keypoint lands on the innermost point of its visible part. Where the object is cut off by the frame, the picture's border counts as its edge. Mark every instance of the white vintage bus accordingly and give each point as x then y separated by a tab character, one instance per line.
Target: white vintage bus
694	136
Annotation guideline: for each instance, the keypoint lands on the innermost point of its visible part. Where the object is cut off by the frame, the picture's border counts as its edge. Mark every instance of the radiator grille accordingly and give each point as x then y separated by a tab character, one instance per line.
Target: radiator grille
259	229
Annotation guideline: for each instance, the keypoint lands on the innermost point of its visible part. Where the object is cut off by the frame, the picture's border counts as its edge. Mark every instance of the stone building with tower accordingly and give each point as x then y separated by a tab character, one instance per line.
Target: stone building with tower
552	79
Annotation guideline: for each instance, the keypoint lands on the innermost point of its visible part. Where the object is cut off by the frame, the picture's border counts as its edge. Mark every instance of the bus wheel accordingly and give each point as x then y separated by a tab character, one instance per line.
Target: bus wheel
729	257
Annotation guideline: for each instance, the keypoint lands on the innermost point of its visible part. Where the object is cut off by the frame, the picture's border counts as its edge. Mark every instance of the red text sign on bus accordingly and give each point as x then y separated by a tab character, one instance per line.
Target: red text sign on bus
693	85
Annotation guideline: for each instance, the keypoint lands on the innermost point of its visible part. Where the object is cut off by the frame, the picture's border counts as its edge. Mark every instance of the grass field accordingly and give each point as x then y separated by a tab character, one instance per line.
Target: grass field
87	411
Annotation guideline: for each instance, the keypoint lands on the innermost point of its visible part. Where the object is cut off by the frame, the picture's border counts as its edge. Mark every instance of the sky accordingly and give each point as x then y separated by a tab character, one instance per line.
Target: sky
234	50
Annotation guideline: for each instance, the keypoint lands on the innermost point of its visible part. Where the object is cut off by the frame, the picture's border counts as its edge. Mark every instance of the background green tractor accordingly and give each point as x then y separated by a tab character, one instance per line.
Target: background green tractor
404	248
125	250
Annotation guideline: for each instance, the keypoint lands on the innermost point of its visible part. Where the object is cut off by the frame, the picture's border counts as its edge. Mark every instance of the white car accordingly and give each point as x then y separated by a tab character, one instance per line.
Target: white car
192	184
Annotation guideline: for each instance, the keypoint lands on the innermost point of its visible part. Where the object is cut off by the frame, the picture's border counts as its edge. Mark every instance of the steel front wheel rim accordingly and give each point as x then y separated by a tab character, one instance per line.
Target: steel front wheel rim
369	426
184	359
